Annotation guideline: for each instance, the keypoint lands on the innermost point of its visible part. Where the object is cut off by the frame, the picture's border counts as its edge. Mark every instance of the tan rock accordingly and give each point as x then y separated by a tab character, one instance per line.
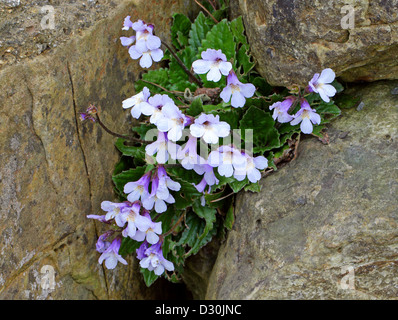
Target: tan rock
55	170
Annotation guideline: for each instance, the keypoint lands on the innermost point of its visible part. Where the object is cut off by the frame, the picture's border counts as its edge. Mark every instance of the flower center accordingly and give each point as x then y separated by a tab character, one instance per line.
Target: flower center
305	114
234	88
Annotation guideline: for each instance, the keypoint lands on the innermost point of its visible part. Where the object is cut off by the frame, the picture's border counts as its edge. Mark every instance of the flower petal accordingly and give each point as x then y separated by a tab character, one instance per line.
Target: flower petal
238	100
327	76
201	66
306	126
146	60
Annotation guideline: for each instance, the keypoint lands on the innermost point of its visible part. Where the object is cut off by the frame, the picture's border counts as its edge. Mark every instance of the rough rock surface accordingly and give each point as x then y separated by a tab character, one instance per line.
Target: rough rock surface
333	208
293	39
55	170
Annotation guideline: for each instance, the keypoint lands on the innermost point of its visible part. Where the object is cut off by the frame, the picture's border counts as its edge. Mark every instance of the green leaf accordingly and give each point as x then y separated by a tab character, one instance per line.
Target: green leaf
127	176
188	193
262	86
132	151
253	187
265	135
128	246
238	30
206	213
346	101
198	31
338	86
149	276
158	76
231	117
178	78
180	30
245	61
328	111
230	217
143	129
196	107
220	37
194	235
288	136
238	185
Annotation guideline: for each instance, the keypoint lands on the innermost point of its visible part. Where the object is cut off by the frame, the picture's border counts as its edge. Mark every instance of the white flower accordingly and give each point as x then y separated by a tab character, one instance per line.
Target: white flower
214	62
307	117
319	84
251	170
163	148
210	128
173	122
227	159
137	102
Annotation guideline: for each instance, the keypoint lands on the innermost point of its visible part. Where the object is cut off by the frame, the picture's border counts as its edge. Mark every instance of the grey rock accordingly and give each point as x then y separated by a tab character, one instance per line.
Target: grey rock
342	242
293	39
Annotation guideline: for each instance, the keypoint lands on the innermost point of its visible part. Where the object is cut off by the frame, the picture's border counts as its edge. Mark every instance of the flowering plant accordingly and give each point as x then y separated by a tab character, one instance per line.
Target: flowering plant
208	125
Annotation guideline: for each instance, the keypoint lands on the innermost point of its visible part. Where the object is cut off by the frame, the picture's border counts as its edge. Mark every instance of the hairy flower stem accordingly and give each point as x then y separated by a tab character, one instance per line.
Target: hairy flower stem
173	227
192	76
129	138
207	11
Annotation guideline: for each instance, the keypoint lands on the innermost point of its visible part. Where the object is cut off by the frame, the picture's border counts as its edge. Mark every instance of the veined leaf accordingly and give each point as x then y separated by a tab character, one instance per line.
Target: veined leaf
265	135
198	31
180	30
149	276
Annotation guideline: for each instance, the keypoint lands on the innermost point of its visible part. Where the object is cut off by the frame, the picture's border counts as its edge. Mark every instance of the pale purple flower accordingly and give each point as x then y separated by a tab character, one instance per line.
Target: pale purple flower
281	109
113	209
138	189
214	62
154	260
227	159
127	24
237	90
145	38
251	170
97	217
101	244
147	45
210	128
84	116
173	122
188	155
162	147
111	255
155	198
320	84
203	168
155	106
201	185
165	184
137	102
151	235
141	250
134	221
127	41
146	56
307	117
